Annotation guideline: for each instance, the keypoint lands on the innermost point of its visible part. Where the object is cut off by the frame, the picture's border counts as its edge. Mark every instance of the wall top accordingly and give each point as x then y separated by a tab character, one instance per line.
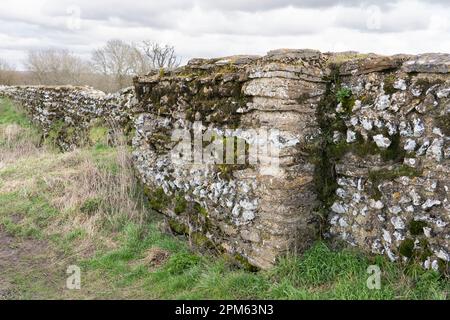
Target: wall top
350	63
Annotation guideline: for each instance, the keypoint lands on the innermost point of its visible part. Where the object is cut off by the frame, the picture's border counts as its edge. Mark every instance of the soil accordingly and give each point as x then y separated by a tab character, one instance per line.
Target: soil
26	255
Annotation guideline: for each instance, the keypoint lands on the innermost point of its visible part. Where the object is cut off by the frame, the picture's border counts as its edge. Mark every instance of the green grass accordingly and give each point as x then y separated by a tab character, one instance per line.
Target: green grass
98	135
319	274
104	157
10	114
35	212
120	269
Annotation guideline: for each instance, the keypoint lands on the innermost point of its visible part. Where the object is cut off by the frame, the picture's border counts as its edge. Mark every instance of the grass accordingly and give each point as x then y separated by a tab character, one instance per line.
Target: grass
340	58
320	274
85	207
12	114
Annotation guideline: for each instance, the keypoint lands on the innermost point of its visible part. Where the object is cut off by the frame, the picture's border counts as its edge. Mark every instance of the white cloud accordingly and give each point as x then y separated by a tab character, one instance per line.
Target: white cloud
204	28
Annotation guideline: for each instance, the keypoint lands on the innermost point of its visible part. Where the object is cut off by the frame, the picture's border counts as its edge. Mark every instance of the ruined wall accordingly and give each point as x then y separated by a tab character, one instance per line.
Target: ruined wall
363	140
69	114
391	148
251	212
364	146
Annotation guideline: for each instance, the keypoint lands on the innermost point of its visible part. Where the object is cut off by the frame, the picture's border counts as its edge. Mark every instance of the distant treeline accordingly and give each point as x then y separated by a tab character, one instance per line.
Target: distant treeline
109	69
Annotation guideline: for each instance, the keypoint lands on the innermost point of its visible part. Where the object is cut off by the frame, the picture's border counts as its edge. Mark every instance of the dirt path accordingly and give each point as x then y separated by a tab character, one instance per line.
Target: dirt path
24	263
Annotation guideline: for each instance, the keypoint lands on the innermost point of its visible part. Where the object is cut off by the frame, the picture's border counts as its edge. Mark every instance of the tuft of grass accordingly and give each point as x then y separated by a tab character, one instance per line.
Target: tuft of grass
181	262
91	206
343	94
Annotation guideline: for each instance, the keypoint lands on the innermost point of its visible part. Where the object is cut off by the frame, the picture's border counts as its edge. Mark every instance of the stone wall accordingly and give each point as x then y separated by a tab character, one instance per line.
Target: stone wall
364	150
391	148
244	211
67	114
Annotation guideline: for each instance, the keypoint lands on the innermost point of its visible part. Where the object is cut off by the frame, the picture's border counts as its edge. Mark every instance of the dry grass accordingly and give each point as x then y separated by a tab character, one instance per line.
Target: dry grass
16	143
94	189
153	258
18	139
342	57
98	195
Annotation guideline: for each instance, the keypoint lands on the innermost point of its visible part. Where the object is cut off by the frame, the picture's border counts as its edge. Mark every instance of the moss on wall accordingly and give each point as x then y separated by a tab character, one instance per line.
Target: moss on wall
180	204
406	248
158	200
416	227
389	82
178	227
323	154
376	177
443	122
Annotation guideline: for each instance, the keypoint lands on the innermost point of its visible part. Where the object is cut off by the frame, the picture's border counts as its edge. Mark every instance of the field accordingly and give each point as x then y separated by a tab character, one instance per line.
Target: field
86	208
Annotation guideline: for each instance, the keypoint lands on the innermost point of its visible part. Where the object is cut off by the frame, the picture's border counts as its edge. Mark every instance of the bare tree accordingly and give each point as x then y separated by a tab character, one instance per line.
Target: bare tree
159	56
111	67
7	74
56	67
120	60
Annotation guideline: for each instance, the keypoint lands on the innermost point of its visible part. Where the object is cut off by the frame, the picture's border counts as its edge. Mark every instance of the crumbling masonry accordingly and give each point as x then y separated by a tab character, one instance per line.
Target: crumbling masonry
364	160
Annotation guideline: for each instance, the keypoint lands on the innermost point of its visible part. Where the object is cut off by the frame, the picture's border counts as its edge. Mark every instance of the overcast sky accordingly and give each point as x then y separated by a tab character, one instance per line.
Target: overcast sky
209	28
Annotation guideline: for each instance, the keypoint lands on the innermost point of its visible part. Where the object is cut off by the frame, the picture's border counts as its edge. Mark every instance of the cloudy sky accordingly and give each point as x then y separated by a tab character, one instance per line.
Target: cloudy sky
208	28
